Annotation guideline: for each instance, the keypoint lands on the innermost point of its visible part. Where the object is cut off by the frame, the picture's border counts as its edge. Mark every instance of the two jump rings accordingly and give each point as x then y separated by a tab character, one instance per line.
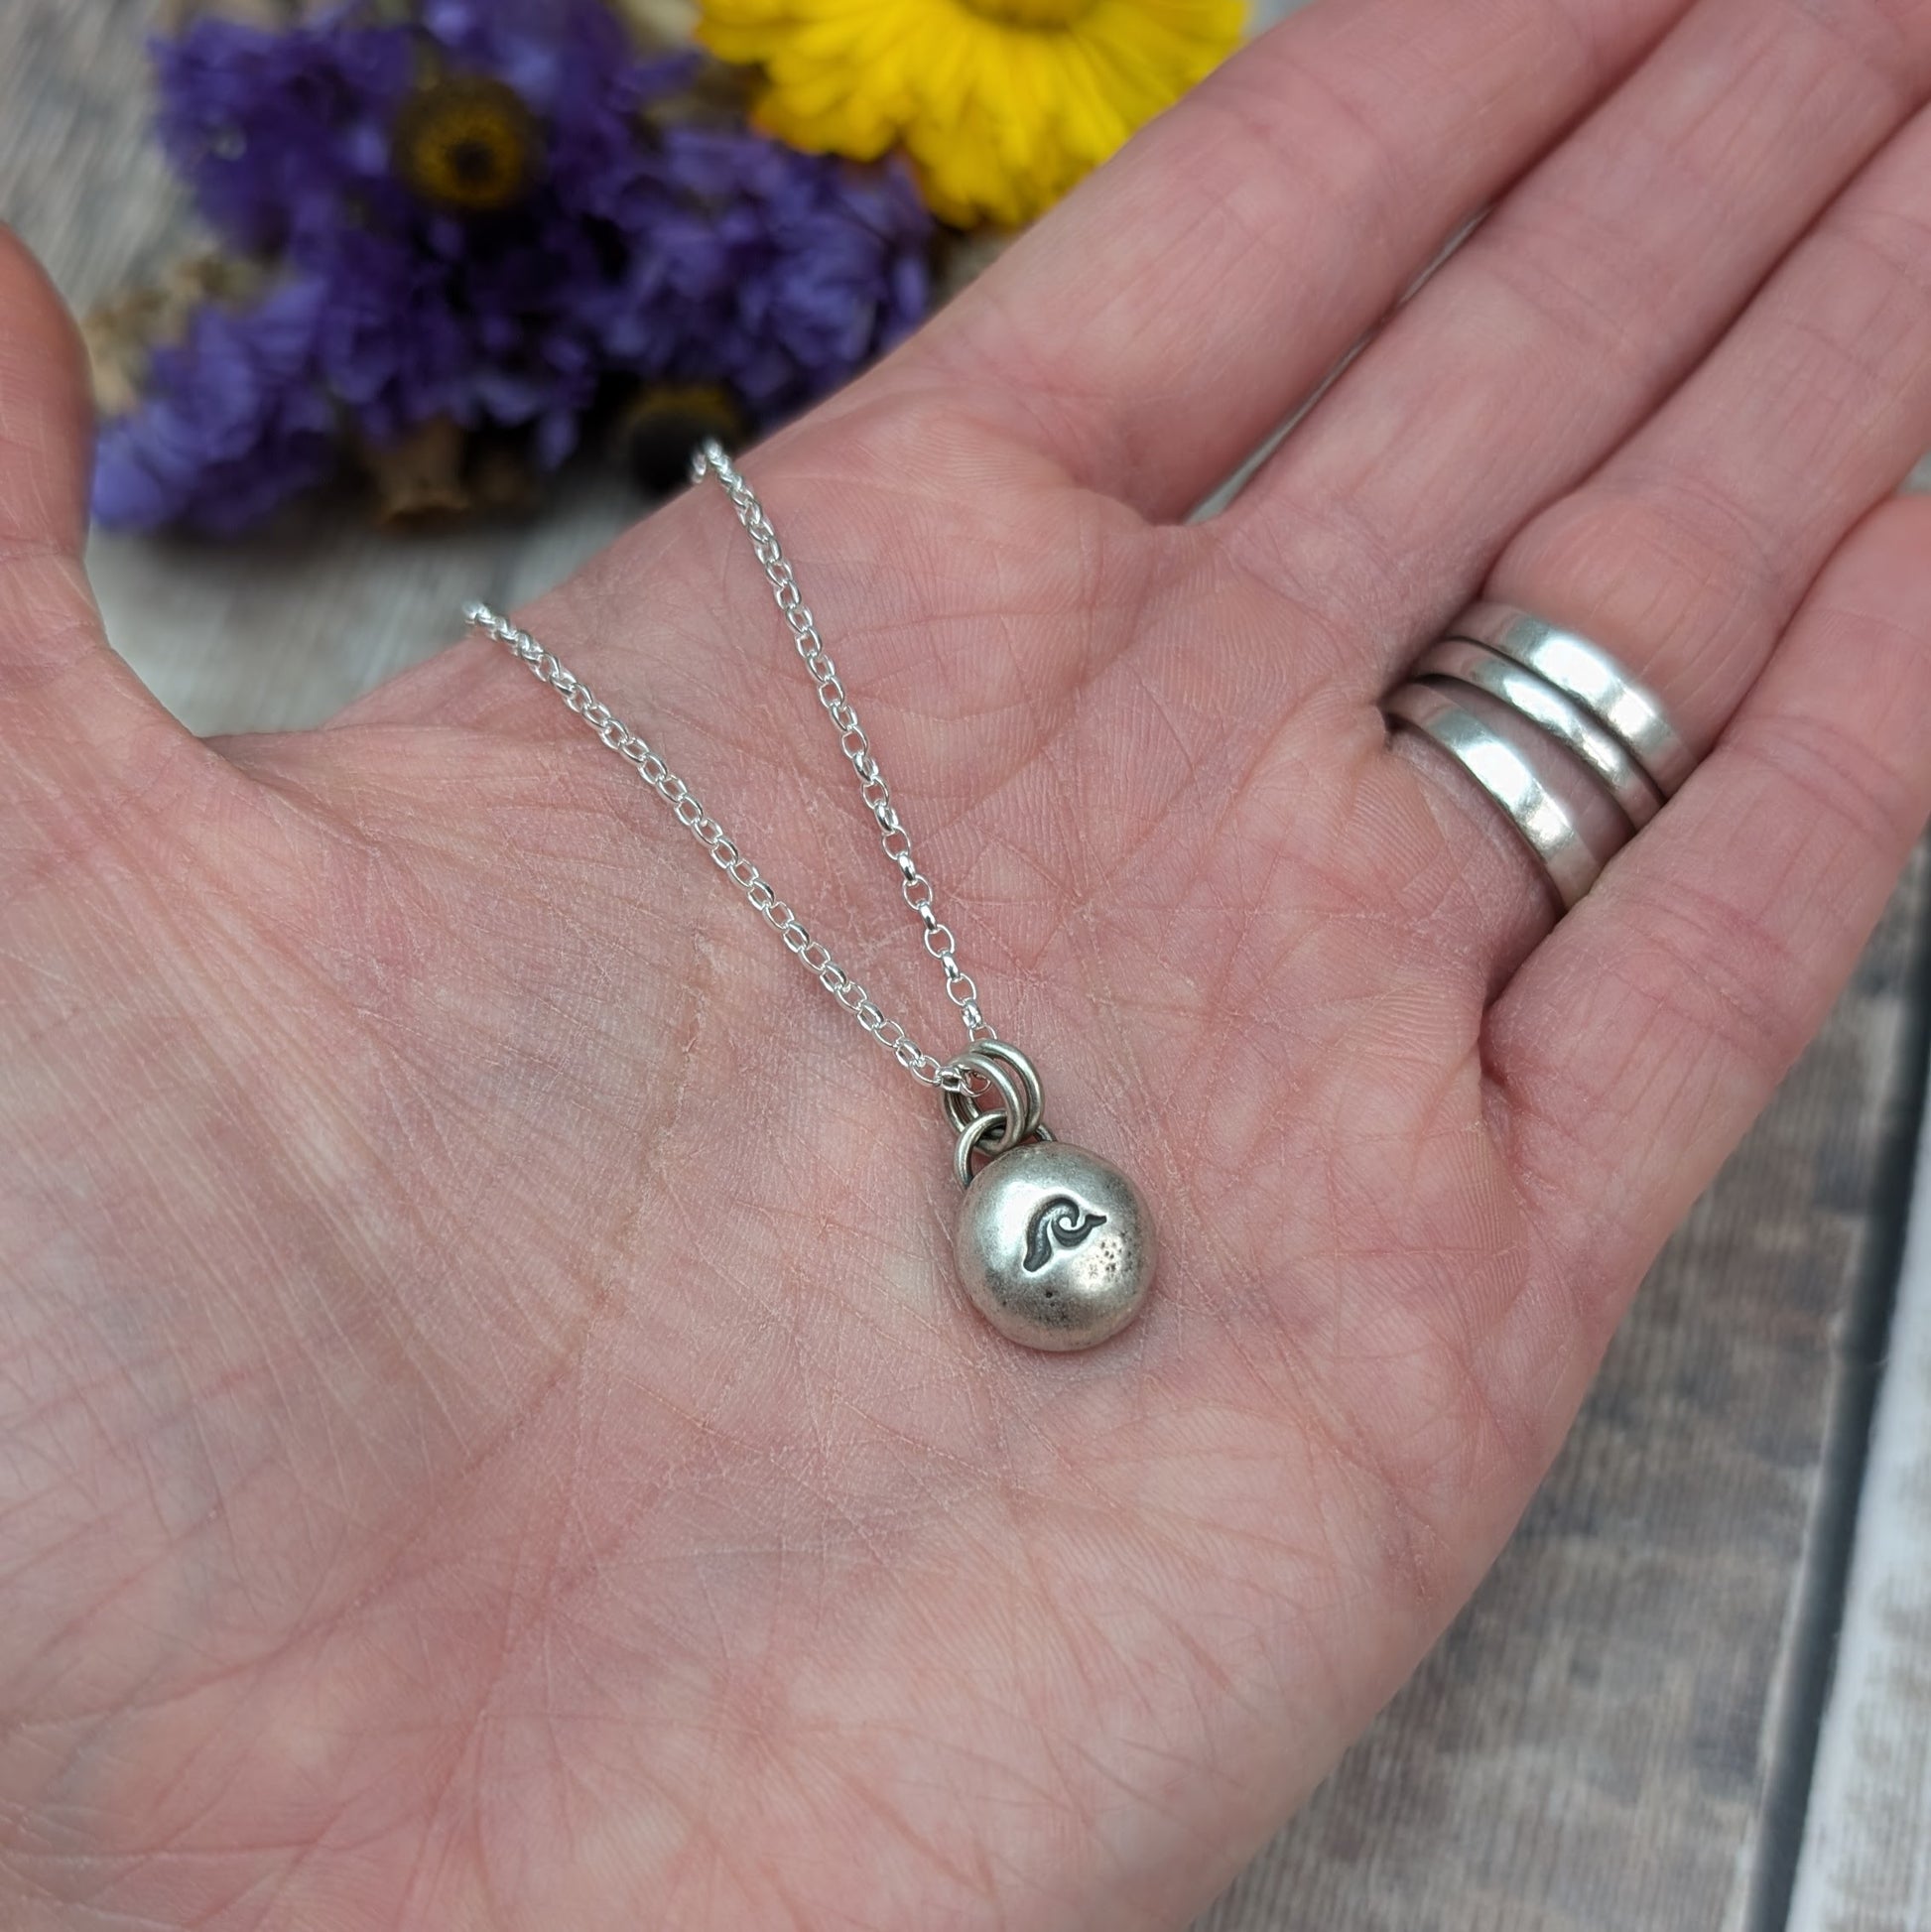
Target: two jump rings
986	1131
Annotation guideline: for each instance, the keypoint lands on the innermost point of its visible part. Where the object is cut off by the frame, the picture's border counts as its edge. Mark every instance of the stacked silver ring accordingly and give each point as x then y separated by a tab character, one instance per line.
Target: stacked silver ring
1590	714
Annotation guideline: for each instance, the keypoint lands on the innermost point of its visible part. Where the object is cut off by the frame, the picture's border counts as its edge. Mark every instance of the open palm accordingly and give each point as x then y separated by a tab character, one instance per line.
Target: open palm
492	1437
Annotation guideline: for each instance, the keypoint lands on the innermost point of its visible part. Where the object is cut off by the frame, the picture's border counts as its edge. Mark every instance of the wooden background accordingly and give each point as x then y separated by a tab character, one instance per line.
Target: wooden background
1632	1726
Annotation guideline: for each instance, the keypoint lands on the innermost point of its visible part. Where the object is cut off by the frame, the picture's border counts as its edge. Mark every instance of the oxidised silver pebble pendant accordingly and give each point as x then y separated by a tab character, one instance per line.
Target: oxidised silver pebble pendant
1054	1245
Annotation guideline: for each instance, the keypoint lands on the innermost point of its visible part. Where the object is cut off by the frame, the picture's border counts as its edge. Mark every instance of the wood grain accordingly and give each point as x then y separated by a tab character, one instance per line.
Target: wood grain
1590	1749
1867	1854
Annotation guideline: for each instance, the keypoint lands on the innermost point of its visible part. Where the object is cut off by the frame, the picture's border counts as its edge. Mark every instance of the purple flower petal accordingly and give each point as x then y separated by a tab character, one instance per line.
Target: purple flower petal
233	424
692	255
778	273
275	131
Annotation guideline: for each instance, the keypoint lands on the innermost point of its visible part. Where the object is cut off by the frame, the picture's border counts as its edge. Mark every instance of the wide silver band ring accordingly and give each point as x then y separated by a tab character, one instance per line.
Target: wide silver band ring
1587	674
1544	823
1530	695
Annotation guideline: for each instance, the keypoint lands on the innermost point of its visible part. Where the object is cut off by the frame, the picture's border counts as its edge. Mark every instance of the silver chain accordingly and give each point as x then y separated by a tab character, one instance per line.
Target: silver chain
813	953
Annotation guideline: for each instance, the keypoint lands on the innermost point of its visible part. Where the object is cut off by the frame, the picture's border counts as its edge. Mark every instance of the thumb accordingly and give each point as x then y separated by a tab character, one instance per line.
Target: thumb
76	726
44	412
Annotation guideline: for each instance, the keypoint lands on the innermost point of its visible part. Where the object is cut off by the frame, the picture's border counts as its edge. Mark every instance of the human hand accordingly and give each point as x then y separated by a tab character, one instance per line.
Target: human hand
492	1435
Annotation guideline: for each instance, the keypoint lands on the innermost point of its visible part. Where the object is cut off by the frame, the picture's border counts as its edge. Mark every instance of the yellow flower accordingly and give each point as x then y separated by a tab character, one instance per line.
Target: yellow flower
1001	104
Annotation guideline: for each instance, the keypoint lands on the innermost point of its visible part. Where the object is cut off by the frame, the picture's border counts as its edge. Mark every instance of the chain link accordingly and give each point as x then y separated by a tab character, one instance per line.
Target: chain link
813	954
914	886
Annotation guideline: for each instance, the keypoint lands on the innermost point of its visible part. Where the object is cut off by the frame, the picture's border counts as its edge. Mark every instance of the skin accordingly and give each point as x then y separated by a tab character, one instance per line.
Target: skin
488	1437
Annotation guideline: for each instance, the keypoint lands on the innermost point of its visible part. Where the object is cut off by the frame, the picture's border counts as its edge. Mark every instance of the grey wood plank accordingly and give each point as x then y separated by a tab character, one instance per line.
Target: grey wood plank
283	631
1867	1851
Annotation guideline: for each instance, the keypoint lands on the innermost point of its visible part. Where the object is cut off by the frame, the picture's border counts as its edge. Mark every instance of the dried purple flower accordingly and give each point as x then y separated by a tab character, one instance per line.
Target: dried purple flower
234	422
777	272
552	52
478	225
484	313
279	132
466	143
491	334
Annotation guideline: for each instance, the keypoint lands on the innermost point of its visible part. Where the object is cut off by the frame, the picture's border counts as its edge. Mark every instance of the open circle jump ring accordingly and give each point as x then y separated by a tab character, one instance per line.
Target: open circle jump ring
976	1131
1010	1073
1010	1103
1005	1051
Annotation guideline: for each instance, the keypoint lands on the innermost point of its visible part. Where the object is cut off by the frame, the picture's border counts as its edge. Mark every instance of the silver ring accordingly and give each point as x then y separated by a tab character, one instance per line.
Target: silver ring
997	1049
1509	778
1016	1105
1589	674
974	1131
1530	695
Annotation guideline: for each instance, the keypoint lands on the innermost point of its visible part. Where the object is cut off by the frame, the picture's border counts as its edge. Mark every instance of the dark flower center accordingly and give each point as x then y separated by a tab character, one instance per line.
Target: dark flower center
665	422
466	142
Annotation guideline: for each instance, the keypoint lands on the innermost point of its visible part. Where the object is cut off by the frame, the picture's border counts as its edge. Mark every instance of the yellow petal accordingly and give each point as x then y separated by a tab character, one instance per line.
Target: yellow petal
1000	115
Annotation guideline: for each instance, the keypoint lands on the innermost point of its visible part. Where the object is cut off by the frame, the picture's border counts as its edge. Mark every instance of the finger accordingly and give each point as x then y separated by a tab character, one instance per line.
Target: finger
74	721
1694	544
1688	553
1640	1040
1170	315
1577	305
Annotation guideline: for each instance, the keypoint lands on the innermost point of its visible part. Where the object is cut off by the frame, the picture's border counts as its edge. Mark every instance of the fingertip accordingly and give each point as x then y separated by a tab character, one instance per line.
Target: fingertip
45	407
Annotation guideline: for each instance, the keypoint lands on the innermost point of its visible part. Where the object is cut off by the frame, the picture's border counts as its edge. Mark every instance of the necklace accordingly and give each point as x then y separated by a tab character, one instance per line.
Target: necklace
1054	1245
